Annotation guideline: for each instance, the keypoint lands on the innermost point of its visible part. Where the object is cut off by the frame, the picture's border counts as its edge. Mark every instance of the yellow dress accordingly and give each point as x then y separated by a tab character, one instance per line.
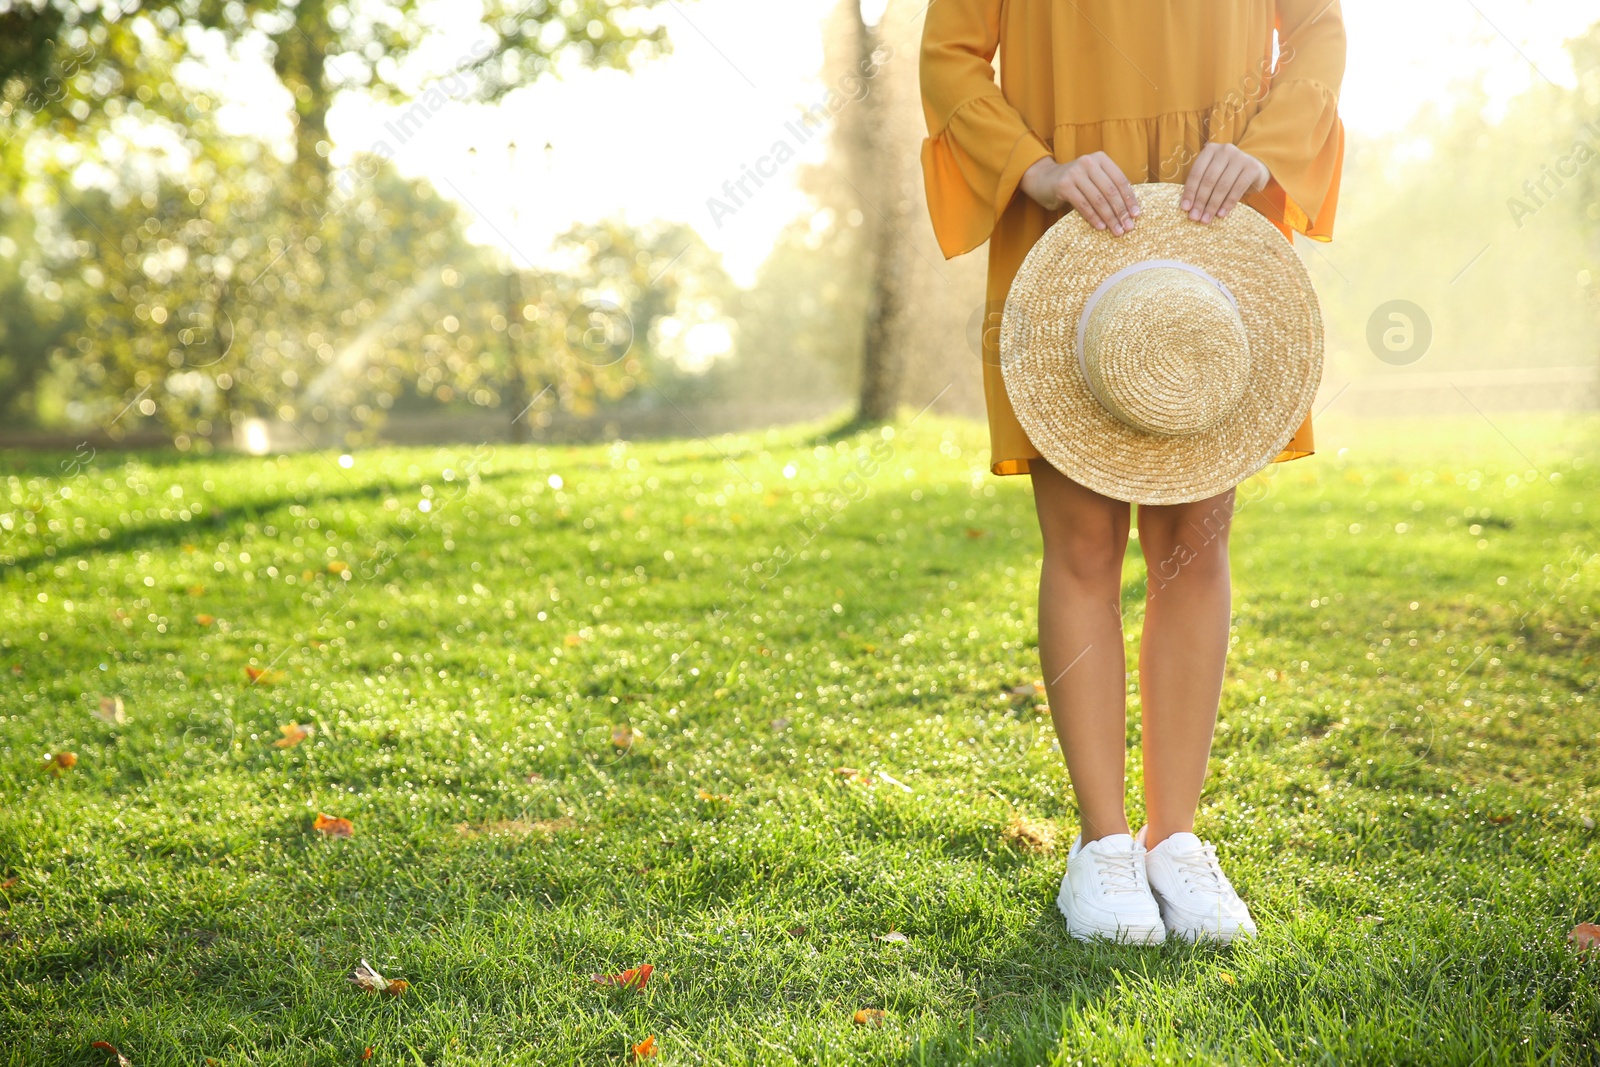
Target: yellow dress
1148	82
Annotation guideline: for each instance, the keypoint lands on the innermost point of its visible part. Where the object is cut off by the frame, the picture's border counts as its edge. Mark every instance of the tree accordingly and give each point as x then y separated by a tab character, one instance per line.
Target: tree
197	303
70	72
868	193
61	60
631	306
878	174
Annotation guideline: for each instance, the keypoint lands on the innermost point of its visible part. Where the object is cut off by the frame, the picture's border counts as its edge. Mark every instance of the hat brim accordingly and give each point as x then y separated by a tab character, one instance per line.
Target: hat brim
1079	437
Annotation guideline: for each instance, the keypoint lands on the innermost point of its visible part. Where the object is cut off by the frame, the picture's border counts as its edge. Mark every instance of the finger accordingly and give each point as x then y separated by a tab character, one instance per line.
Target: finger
1241	186
1079	203
1191	185
1216	167
1123	186
1228	177
1103	183
1119	182
1094	206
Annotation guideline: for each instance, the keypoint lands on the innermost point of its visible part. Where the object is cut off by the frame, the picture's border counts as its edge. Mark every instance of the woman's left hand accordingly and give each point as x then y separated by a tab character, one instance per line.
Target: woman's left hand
1220	176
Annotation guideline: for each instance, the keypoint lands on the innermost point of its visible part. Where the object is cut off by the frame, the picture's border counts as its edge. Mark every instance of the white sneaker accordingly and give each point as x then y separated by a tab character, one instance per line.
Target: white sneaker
1104	892
1195	897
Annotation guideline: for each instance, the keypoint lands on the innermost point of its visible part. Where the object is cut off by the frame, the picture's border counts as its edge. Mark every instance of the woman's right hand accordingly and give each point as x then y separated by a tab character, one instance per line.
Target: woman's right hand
1093	185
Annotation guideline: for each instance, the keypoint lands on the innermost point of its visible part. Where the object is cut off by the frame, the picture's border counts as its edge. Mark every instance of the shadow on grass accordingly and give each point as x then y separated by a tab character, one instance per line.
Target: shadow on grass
1028	998
166	534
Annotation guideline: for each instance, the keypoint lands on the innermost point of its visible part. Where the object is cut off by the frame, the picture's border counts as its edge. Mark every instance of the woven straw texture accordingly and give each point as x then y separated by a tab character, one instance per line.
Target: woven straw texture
1188	407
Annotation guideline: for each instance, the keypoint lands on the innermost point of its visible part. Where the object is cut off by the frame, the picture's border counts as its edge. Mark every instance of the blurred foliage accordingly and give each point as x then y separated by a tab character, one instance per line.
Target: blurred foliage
211	296
800	324
61	60
1467	216
159	268
648	301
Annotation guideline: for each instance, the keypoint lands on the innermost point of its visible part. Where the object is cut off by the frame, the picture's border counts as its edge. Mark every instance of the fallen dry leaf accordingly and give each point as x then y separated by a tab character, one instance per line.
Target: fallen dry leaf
1585	937
197	590
366	1053
364	976
572	640
1027	690
706	794
1030	835
293	734
111	710
625	736
16	669
646	1048
9	882
974	533
894	936
106	1046
632	978
798	931
869	1017
779	725
333	827
263	676
56	762
338	566
850	774
205	620
1226	977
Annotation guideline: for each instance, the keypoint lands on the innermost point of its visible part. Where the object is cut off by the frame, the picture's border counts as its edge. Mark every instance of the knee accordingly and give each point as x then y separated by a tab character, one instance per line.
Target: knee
1174	545
1086	553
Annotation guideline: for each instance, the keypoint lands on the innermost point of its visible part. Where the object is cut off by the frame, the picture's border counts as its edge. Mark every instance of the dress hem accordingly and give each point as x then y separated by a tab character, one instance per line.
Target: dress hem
1023	464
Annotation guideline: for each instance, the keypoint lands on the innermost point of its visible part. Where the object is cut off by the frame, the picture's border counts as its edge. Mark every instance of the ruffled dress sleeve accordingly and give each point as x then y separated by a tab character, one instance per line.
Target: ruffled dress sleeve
1297	132
978	145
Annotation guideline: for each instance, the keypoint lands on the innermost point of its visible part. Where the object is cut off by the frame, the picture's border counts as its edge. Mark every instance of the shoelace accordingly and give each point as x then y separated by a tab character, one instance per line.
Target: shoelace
1119	871
1202	867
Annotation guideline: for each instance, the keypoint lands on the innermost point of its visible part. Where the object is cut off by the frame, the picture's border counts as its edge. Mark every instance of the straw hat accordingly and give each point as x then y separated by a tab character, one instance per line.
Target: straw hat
1165	365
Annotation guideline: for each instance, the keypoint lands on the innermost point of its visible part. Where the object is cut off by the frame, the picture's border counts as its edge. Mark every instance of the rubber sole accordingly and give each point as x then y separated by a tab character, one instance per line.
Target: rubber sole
1199	931
1127	935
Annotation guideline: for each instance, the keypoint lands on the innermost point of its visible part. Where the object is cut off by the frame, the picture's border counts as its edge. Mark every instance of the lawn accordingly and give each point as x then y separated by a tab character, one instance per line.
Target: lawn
739	708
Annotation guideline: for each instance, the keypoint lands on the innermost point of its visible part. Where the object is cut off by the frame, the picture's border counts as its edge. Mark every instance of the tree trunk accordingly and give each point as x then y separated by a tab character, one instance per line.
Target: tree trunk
879	178
516	378
299	58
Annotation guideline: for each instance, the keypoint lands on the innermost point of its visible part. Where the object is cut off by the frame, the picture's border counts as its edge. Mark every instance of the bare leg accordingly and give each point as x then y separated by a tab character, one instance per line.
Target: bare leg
1080	641
1182	653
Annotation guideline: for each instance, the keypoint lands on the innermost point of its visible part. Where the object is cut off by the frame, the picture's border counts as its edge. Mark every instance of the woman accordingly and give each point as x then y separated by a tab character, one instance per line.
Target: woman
1236	100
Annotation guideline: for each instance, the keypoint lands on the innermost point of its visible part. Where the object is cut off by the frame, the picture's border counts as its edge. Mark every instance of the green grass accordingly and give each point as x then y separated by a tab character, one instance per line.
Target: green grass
1404	786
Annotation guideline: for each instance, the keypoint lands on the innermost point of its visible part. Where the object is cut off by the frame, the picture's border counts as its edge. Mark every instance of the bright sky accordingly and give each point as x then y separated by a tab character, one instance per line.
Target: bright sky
659	143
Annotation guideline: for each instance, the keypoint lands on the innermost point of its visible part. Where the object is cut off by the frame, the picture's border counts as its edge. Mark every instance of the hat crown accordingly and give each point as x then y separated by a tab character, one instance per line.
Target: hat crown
1164	351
